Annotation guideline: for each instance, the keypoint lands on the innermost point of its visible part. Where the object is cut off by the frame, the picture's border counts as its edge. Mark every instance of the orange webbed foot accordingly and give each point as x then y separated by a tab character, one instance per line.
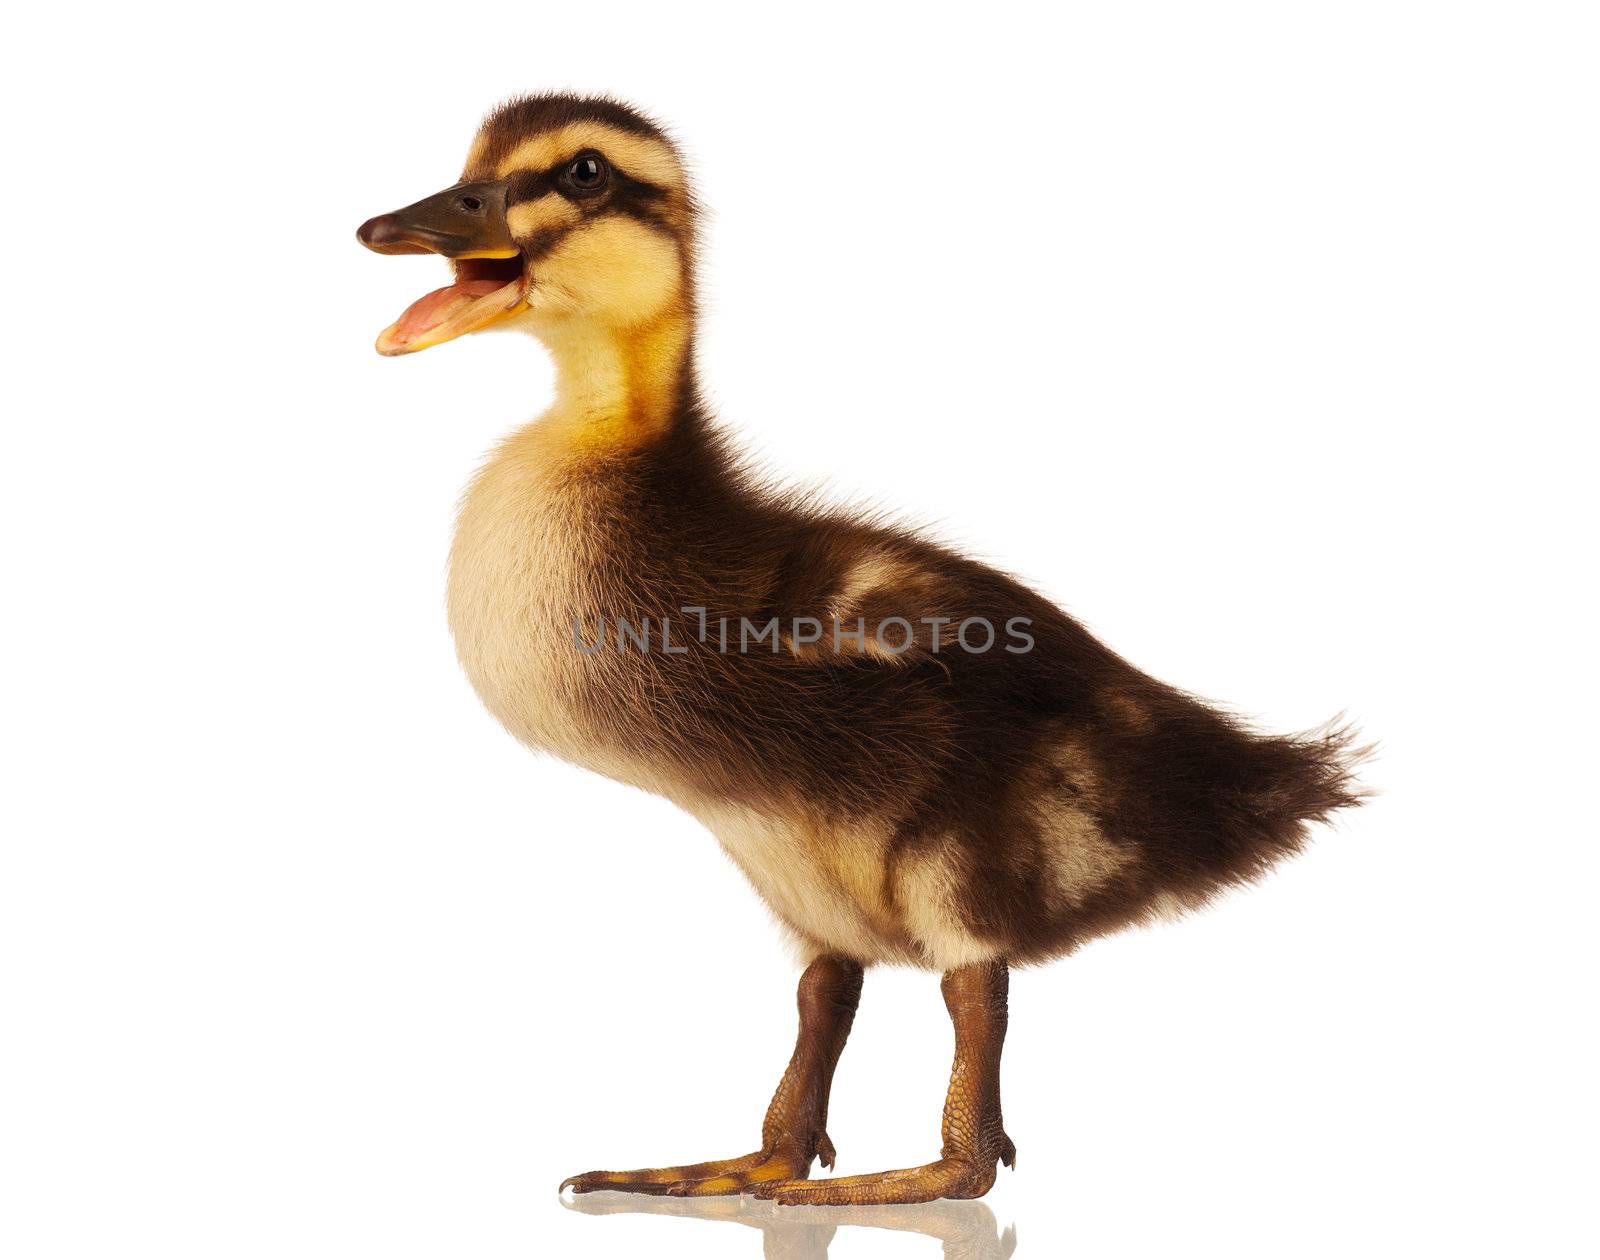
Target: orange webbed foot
949	1178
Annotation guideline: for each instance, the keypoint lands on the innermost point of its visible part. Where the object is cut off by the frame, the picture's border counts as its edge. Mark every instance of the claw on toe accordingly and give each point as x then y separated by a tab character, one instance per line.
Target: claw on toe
589	1183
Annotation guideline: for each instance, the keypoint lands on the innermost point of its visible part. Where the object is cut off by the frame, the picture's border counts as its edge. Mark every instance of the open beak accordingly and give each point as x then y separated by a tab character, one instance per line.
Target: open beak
466	223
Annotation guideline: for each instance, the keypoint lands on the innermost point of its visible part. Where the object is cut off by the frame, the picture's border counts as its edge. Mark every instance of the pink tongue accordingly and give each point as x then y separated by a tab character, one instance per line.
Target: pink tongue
433	308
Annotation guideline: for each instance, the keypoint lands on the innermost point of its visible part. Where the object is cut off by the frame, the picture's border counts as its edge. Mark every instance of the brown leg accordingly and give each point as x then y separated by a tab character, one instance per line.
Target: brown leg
794	1132
974	1136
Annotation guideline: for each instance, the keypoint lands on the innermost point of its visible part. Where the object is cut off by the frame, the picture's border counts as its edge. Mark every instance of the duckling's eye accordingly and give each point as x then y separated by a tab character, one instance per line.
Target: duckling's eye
586	173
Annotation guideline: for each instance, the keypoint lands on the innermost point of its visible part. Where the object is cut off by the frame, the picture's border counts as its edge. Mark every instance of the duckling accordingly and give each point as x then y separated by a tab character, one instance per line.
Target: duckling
912	757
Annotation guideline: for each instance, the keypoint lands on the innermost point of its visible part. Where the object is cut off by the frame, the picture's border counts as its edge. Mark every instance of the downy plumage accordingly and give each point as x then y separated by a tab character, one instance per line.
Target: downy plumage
892	793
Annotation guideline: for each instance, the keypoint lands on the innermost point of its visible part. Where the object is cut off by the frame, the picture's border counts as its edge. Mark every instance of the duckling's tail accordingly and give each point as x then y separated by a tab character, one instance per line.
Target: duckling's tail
1221	804
1266	792
1305	778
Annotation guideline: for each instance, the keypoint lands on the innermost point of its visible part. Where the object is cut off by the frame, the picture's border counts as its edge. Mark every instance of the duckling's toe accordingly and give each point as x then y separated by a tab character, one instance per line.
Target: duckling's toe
726	1176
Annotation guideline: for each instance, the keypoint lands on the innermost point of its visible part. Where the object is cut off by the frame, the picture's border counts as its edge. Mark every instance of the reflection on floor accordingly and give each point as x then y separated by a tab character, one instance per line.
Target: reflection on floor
967	1229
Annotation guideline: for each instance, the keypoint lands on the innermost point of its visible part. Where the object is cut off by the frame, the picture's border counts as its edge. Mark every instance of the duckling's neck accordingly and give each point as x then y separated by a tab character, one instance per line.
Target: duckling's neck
618	388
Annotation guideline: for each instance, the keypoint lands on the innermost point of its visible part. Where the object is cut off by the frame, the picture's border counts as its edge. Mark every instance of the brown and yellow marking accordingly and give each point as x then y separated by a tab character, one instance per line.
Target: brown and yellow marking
869	573
1066	794
543	214
854	857
1082	861
1128	708
825	884
925	884
642	157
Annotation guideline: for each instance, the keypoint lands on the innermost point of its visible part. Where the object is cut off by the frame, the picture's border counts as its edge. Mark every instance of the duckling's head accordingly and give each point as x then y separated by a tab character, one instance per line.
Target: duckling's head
572	220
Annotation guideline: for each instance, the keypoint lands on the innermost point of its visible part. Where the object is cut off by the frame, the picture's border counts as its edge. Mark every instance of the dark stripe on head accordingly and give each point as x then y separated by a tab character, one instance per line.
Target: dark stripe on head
513	122
637	198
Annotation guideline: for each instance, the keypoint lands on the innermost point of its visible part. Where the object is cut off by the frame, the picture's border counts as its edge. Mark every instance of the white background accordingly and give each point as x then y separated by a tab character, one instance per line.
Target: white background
1261	336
